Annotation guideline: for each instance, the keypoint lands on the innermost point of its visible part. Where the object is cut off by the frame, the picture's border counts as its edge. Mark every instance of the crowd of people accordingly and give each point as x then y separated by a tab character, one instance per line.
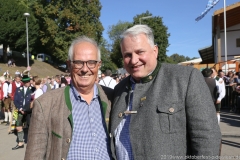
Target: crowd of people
155	109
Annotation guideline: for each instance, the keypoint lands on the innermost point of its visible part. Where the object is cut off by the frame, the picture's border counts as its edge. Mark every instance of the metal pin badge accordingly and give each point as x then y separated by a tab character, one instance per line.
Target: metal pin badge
143	98
130	112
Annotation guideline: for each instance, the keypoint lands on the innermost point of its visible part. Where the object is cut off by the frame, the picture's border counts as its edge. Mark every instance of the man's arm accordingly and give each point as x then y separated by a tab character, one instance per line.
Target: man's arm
37	135
203	129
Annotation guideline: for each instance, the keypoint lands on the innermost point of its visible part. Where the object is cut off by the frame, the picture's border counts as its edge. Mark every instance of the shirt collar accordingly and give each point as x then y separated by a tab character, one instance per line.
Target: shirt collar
78	96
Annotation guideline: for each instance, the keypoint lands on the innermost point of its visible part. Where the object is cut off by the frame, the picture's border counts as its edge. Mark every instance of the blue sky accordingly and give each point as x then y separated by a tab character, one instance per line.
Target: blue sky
186	35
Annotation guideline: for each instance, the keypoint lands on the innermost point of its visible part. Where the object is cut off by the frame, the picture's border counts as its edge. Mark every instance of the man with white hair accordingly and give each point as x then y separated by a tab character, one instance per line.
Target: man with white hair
6	101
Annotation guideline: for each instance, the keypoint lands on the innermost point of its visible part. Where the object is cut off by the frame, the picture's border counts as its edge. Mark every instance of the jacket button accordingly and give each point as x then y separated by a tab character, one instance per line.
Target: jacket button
62	159
120	115
68	140
171	110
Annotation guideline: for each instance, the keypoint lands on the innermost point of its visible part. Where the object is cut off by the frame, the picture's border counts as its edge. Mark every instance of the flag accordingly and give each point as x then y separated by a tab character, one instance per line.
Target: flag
210	5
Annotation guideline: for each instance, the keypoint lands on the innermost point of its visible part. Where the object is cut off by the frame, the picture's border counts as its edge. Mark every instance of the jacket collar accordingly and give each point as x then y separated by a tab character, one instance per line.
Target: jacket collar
151	76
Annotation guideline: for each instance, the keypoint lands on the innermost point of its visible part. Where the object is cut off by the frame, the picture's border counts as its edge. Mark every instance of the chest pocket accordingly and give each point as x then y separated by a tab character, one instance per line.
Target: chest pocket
172	117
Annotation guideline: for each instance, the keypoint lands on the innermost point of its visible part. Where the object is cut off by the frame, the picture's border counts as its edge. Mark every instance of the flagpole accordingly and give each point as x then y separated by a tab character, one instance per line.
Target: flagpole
225	36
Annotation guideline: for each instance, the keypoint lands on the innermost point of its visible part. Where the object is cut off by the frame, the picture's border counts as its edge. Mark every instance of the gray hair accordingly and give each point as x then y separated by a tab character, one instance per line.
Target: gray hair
82	39
139	29
108	72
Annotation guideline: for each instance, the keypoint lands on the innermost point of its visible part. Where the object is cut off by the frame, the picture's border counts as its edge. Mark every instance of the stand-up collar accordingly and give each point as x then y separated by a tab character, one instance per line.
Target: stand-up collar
151	76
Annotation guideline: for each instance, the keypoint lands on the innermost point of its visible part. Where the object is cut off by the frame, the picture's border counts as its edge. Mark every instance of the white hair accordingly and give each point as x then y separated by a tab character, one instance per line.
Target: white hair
80	40
139	29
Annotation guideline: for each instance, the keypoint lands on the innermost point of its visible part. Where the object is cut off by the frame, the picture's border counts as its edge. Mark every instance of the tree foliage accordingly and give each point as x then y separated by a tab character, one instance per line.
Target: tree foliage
13	26
61	21
105	57
159	30
176	58
114	32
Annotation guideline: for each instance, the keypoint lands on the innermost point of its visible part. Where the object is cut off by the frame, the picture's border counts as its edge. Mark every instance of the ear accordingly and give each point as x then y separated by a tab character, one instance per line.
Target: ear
69	65
99	64
155	51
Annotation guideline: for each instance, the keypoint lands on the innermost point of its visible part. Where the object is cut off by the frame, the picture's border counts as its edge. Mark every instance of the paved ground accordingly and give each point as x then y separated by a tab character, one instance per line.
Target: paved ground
230	128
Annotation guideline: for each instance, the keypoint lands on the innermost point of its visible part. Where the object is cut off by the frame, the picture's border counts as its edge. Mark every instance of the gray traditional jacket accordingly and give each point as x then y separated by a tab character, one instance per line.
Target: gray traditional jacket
175	115
50	132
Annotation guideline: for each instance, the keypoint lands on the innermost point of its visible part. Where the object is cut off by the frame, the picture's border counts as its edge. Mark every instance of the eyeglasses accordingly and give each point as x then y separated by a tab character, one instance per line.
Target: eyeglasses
79	64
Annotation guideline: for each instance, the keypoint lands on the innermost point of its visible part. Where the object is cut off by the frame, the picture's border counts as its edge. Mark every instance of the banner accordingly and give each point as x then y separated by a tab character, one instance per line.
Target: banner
210	5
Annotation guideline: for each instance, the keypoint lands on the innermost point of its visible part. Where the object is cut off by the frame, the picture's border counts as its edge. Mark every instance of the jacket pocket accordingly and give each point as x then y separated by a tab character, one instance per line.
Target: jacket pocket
56	135
172	117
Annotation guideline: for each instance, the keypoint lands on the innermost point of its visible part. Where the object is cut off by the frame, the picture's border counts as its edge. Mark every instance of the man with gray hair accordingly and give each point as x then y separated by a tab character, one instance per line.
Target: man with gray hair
108	81
160	111
71	122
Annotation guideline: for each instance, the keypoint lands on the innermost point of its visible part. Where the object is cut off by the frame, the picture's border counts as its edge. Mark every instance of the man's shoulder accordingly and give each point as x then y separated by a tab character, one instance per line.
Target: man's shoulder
107	91
52	94
175	69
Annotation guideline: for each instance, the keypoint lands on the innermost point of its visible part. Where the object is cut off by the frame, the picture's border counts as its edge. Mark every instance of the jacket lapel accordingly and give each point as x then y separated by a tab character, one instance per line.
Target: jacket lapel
106	106
69	104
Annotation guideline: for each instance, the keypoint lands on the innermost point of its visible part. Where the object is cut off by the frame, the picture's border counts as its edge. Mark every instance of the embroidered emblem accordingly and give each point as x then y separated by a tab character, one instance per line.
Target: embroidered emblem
143	98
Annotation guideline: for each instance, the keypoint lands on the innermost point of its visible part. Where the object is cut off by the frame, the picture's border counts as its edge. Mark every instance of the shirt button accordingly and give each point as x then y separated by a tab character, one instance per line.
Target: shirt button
94	134
68	140
96	150
91	120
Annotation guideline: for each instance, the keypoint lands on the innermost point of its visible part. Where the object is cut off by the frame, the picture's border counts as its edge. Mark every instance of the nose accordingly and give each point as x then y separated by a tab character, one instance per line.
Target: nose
84	68
134	58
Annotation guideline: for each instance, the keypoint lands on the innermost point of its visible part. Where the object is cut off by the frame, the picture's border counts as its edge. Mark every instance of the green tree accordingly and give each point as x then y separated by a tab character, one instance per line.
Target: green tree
61	21
114	32
13	26
176	58
116	55
159	30
105	57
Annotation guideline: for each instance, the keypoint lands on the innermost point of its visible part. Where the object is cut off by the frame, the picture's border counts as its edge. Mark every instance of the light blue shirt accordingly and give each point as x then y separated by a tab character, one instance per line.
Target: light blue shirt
90	140
123	143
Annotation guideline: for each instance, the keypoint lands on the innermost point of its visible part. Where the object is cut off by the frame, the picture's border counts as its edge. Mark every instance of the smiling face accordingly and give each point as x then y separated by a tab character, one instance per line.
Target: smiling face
84	78
139	57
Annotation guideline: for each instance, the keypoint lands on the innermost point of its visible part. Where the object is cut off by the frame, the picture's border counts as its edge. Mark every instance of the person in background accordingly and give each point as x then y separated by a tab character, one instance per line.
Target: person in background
64	82
221	92
213	88
160	109
17	73
72	122
6	101
68	78
37	84
57	81
22	100
108	81
46	85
